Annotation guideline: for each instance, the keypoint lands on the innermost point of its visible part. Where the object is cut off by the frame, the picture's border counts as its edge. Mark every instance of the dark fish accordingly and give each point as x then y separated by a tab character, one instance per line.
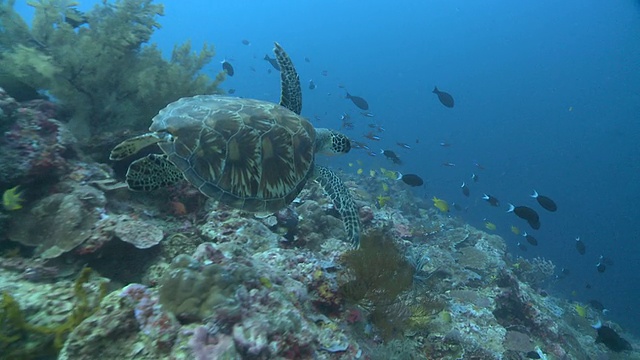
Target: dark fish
457	206
272	61
444	144
533	355
391	156
358	101
312	85
605	260
493	201
597	305
410	179
75	18
366	114
359	145
404	145
565	271
545	201
18	89
231	91
246	42
580	246
465	189
445	98
226	66
522	246
448	164
534	224
324	73
474	177
346	124
530	239
525	212
602	264
306	59
388	153
371	136
610	338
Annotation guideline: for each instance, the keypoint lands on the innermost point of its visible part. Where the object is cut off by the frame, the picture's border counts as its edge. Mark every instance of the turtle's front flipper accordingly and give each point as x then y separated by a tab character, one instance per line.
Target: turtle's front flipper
342	200
135	144
291	93
152	172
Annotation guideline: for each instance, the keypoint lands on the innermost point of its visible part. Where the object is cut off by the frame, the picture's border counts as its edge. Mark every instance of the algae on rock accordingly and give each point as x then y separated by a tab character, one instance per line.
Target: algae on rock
101	68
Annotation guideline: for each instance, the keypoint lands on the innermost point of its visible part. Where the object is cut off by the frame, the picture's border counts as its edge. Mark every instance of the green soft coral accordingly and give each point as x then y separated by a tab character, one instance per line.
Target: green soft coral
103	72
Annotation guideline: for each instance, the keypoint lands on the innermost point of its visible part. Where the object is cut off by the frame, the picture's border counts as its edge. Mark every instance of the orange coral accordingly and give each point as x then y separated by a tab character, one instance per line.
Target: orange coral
177	208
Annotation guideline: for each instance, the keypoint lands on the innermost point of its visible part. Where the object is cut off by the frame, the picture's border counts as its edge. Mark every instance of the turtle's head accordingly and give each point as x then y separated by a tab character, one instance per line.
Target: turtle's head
331	142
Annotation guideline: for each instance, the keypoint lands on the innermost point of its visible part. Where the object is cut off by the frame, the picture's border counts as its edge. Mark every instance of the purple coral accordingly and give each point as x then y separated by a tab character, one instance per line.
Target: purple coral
35	143
158	324
207	347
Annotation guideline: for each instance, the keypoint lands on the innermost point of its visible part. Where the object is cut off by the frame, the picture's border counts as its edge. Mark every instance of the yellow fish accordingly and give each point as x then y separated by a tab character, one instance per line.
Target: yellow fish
389	173
12	199
385	187
382	200
489	225
350	164
515	230
440	204
360	171
359	162
581	310
372	173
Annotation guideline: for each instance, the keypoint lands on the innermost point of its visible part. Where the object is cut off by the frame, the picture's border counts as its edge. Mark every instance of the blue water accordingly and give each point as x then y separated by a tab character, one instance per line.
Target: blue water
547	98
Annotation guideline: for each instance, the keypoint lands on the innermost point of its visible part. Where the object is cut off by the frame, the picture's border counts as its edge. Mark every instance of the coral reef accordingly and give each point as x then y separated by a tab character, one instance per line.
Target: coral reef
45	335
59	222
35	147
99	66
192	279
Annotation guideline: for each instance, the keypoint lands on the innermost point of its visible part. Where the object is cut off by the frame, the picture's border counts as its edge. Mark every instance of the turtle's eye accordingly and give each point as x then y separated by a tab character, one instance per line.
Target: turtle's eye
166	136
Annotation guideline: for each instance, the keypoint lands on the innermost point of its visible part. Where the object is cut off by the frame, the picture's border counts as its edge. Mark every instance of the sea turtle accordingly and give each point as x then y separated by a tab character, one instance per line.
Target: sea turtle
250	154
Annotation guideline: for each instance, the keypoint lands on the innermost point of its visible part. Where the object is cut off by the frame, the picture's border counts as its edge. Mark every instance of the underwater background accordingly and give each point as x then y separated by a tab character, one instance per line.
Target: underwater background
547	98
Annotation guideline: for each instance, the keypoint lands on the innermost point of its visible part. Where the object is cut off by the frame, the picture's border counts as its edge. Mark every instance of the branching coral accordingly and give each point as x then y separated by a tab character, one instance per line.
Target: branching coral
100	68
381	274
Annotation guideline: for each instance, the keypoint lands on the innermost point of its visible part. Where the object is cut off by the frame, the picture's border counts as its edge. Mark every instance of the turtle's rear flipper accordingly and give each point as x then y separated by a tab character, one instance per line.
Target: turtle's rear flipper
342	200
152	172
133	145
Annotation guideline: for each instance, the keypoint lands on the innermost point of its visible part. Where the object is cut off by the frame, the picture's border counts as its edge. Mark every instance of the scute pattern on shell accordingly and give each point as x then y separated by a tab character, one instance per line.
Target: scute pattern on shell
252	154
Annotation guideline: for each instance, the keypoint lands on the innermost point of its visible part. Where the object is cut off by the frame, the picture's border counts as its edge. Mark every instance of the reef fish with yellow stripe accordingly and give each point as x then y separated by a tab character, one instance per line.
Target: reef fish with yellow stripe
490	226
440	204
12	199
382	200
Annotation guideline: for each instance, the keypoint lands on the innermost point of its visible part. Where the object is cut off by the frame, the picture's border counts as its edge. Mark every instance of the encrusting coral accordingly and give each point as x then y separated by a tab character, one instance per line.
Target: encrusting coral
97	64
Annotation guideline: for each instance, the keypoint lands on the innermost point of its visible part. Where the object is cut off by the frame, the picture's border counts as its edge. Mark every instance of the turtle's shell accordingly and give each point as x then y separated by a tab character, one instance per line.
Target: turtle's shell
250	154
